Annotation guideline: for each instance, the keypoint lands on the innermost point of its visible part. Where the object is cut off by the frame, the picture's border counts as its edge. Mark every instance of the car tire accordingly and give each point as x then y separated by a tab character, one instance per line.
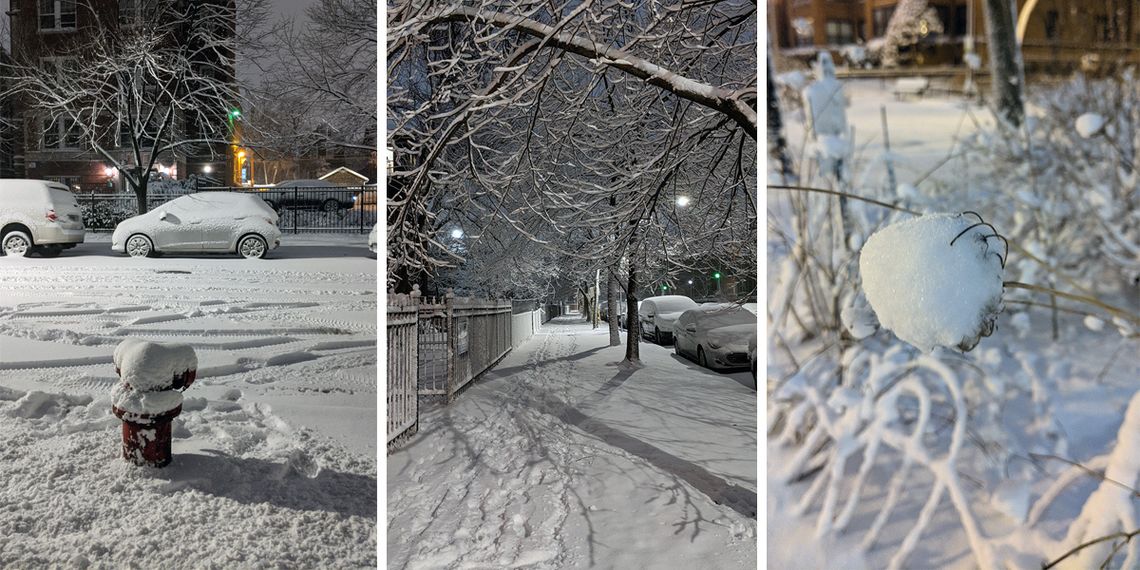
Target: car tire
656	335
16	244
330	206
701	357
252	246
139	245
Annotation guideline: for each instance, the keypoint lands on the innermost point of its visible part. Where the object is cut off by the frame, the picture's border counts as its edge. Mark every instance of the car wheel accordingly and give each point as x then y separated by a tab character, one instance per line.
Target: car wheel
16	244
252	247
139	245
701	357
49	251
330	206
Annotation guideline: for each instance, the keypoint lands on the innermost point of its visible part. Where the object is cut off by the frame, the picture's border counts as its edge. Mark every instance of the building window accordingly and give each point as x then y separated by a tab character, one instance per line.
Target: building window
1103	32
57	14
1052	19
960	18
881	18
61	134
804	31
71	182
840	32
944	18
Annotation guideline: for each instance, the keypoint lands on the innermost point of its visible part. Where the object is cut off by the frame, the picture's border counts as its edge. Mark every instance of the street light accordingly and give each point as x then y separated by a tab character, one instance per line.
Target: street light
457	233
109	171
207	169
682	201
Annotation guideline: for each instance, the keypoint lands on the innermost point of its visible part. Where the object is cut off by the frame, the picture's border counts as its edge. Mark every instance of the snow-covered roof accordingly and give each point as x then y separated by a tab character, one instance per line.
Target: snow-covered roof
345	170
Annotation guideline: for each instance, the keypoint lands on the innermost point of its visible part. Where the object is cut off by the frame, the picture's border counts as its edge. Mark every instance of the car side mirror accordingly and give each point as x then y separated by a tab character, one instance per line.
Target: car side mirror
162	215
691	328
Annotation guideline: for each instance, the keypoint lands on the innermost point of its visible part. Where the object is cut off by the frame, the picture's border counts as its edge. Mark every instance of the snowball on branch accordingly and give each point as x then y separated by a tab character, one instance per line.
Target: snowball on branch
936	280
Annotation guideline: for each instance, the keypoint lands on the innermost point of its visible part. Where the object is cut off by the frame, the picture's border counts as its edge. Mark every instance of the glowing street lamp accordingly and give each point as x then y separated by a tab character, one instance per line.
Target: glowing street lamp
683	201
457	233
109	171
207	169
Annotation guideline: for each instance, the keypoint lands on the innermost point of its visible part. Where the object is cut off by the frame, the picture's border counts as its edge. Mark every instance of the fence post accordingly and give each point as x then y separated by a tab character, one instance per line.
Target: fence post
449	300
295	230
360	204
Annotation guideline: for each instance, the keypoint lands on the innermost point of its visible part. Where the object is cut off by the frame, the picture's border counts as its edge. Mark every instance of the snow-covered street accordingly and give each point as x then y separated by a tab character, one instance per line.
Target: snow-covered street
274	452
559	458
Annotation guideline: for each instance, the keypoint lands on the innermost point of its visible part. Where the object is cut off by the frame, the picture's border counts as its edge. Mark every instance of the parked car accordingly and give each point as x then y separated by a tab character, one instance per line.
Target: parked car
37	216
716	335
308	195
207	222
657	314
372	240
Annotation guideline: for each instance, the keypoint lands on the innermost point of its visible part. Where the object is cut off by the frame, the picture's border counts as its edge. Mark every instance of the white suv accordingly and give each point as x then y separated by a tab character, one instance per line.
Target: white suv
37	216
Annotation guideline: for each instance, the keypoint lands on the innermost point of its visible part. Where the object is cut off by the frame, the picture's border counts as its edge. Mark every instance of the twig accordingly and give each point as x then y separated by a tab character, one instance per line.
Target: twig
1127	536
844	195
1097	474
1082	298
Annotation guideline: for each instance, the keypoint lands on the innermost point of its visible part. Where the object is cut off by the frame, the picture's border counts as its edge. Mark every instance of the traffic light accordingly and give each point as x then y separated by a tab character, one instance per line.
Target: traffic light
664	287
716	275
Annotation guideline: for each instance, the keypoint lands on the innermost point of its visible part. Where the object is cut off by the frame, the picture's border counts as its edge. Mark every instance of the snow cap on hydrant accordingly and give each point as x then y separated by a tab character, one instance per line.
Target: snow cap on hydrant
149	397
936	280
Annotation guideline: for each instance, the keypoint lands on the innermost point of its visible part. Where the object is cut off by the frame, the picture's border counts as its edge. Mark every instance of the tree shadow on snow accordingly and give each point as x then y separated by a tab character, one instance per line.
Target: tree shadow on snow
287	485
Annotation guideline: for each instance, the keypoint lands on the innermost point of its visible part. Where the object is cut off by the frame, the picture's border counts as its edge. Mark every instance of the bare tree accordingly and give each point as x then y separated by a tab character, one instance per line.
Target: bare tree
580	126
327	70
155	83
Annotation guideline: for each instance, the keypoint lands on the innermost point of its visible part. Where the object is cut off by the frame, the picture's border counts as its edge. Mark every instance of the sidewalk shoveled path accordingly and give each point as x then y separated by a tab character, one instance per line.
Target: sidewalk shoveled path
560	457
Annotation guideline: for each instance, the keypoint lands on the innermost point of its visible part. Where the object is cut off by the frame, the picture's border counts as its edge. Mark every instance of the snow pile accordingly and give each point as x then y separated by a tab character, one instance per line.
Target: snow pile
1112	508
931	293
149	366
1089	124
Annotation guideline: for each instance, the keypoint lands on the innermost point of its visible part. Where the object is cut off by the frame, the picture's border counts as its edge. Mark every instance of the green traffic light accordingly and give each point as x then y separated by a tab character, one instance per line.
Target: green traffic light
664	288
716	275
234	113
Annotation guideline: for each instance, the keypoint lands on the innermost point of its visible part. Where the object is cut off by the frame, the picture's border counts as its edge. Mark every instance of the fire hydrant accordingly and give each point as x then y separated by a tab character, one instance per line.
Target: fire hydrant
149	397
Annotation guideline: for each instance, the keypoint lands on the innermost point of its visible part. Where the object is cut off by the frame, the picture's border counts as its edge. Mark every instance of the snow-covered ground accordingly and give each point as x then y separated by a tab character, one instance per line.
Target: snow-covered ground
275	450
560	458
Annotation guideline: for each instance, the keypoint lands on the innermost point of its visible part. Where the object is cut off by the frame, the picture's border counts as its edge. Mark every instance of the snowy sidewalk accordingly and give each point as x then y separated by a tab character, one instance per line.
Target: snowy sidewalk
560	458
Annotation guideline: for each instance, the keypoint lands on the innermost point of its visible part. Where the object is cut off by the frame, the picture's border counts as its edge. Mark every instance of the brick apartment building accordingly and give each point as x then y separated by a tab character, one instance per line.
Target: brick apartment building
1054	34
48	29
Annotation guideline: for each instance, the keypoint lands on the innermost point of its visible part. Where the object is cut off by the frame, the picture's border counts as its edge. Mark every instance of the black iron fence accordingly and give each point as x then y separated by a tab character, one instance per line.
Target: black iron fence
300	209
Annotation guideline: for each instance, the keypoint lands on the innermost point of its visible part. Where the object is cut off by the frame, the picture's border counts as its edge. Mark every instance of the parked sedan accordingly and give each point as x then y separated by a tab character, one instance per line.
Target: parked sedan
716	335
207	222
308	195
657	314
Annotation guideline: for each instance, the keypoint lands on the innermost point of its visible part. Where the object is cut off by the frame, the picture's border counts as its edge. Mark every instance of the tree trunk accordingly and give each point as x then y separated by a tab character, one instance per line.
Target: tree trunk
777	145
611	302
140	193
1003	54
633	326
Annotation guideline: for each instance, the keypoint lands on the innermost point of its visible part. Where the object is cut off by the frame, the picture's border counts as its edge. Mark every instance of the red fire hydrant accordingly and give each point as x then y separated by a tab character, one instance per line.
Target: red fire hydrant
150	396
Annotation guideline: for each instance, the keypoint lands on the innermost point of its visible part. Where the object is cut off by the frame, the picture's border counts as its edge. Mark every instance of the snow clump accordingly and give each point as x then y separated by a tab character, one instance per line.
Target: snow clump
149	366
1089	124
931	293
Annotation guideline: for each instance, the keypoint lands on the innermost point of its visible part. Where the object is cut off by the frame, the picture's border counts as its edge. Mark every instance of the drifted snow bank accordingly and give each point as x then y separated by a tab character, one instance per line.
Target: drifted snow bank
931	293
245	490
